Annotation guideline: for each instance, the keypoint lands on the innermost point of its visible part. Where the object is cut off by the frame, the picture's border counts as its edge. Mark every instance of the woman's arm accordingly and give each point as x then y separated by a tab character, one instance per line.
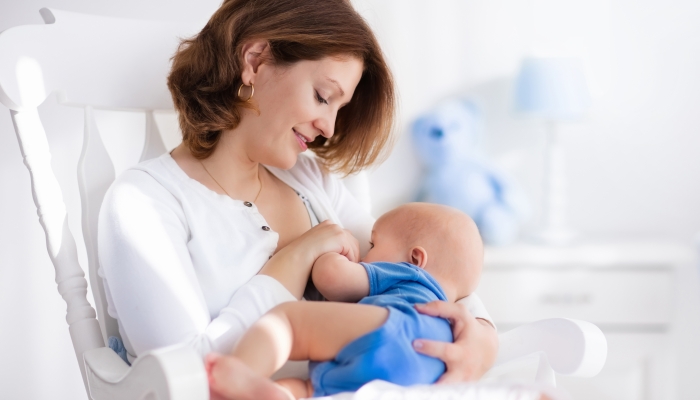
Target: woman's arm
291	266
154	290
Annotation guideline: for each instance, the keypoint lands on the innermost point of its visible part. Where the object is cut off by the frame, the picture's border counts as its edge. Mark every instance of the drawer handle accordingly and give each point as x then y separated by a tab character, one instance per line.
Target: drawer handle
568	299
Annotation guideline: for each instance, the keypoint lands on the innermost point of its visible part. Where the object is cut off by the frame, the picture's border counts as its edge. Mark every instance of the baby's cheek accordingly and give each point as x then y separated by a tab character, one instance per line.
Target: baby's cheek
371	256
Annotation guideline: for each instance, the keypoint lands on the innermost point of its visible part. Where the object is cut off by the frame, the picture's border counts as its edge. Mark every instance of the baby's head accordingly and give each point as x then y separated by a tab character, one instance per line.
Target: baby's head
442	240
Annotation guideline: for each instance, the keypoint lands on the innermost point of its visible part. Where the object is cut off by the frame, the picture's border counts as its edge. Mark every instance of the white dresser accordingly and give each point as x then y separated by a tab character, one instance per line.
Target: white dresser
627	289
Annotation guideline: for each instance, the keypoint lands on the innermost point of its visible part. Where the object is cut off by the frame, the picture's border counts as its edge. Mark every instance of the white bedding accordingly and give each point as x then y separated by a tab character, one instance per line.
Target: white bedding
381	390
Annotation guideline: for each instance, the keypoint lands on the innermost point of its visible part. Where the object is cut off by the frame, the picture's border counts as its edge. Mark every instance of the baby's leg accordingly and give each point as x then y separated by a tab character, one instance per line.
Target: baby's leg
306	330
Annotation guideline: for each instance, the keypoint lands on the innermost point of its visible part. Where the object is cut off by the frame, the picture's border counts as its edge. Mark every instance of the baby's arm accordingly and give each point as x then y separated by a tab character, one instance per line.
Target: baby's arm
339	279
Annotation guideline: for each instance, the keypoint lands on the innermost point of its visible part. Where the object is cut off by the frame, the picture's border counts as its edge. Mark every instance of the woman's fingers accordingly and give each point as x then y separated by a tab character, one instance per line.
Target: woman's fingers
474	348
341	241
458	315
431	348
442	309
354	247
449	353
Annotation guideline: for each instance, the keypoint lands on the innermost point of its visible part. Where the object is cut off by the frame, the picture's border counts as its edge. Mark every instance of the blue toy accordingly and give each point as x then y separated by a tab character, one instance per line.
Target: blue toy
447	139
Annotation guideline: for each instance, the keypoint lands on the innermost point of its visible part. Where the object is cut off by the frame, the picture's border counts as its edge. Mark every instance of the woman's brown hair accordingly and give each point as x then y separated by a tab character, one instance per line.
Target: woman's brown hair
206	74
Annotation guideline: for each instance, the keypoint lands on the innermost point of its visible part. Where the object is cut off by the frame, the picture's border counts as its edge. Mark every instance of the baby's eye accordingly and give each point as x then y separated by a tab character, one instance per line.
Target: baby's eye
371	245
320	99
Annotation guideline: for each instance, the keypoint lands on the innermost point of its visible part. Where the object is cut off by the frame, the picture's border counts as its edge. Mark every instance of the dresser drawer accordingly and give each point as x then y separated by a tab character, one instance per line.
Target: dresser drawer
611	297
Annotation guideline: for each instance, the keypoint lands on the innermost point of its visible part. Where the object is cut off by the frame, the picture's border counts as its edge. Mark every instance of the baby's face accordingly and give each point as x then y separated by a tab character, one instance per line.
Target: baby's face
385	246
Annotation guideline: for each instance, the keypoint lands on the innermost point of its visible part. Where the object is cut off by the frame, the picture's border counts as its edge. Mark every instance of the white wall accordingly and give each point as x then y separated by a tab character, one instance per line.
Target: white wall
633	165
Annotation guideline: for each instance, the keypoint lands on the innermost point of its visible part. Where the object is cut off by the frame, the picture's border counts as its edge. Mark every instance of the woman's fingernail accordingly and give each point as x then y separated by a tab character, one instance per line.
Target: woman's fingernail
419	305
417	344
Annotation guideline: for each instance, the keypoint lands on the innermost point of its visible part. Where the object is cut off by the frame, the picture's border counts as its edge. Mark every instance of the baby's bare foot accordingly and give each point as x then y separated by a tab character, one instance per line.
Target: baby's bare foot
231	379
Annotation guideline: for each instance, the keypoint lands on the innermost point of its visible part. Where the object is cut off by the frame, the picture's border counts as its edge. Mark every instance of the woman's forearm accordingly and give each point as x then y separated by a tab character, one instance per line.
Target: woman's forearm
291	267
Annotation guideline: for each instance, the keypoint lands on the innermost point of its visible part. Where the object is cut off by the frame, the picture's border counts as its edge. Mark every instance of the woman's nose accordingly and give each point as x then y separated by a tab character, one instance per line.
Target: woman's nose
326	124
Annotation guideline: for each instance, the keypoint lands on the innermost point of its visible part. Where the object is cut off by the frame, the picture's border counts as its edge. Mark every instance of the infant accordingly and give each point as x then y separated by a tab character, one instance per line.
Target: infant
420	253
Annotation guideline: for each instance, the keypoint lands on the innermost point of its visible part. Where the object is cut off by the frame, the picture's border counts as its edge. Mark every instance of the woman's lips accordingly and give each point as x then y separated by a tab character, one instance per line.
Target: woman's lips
301	140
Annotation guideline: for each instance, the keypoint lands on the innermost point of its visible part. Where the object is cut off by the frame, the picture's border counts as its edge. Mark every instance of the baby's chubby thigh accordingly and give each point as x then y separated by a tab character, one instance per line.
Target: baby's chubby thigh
386	353
321	329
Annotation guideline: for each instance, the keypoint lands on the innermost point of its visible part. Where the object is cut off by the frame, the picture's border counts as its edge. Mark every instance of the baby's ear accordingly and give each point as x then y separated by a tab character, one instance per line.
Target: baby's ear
419	257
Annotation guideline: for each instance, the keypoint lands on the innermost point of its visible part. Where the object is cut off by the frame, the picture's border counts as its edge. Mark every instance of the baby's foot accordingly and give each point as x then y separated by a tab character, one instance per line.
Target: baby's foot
231	379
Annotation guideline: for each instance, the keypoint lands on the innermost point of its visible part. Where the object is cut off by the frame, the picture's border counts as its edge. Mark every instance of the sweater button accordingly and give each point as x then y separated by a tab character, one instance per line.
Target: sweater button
266	228
247	204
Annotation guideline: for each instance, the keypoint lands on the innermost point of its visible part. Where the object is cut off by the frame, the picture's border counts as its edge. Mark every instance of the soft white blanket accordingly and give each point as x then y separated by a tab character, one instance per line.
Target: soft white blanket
381	390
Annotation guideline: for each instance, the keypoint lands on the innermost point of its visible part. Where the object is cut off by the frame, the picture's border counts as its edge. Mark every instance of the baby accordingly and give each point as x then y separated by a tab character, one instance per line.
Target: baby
420	253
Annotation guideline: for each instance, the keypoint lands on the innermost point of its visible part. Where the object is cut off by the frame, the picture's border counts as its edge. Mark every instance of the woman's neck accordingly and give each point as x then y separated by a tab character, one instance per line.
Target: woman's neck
230	161
229	166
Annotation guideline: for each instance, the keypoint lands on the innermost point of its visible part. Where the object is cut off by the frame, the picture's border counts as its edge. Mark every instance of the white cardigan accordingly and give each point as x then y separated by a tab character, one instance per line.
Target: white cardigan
180	261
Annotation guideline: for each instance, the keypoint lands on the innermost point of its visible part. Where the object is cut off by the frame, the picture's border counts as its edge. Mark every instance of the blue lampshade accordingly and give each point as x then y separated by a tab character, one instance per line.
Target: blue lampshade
552	88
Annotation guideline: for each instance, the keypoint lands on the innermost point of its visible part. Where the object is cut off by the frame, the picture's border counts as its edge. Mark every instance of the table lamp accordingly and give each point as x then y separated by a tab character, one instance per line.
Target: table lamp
552	90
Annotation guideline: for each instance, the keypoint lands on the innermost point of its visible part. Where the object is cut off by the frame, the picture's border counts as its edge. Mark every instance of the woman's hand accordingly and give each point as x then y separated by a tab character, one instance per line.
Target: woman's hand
475	343
291	266
328	237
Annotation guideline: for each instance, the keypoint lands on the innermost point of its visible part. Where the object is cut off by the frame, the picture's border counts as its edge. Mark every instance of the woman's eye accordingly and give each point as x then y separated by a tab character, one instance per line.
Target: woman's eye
320	99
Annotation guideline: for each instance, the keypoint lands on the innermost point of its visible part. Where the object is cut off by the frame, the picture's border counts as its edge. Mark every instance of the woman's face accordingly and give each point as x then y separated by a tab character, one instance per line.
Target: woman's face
297	103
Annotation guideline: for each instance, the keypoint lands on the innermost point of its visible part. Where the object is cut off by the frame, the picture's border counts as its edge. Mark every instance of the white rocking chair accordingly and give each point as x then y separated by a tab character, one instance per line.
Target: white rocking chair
110	63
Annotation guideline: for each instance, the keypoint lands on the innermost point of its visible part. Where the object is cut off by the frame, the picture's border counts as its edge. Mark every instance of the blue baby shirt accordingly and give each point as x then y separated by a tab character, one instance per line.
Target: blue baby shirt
387	353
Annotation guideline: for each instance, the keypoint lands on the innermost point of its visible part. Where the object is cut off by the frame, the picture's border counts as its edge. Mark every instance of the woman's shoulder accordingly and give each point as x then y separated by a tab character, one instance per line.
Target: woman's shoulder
162	170
150	181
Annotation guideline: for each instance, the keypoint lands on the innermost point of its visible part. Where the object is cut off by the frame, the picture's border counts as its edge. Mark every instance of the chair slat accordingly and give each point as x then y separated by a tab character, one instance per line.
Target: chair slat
153	146
95	175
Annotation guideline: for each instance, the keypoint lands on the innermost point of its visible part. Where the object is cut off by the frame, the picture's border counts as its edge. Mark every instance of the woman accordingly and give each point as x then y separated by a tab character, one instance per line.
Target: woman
197	244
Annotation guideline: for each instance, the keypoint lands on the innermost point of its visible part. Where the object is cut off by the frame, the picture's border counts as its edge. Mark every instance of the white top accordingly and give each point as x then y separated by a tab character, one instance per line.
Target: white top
180	261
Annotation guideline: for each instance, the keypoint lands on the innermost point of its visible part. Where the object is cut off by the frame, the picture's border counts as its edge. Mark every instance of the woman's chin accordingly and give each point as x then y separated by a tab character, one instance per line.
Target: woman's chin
286	162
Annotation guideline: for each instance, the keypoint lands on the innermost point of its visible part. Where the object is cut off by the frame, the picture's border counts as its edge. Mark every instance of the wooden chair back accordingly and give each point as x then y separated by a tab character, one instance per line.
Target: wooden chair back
92	62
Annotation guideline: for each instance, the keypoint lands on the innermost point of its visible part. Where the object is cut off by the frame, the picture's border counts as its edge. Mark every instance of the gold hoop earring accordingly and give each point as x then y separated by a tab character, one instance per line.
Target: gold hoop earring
252	91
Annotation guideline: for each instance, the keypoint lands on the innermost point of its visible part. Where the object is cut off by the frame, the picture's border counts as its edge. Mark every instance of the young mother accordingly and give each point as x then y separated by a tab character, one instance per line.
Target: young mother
197	244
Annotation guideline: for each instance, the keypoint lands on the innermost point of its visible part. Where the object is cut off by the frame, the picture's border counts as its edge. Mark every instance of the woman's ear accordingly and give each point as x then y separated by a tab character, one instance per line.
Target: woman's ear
254	54
419	257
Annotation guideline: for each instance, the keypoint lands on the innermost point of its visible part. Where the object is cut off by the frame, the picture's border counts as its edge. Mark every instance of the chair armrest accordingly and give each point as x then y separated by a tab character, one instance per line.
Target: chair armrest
571	347
170	373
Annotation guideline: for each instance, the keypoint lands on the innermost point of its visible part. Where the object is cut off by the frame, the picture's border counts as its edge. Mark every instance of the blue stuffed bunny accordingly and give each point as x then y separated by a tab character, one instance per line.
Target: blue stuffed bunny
447	139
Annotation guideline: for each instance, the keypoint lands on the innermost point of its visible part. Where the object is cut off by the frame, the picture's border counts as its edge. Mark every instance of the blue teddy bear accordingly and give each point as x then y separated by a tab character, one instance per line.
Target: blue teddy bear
458	175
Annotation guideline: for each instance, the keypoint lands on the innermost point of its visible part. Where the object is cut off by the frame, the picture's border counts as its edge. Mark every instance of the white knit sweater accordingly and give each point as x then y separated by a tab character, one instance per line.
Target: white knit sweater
180	261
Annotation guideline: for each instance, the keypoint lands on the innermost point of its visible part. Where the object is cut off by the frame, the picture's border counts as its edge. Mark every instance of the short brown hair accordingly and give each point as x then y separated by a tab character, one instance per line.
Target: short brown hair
206	74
